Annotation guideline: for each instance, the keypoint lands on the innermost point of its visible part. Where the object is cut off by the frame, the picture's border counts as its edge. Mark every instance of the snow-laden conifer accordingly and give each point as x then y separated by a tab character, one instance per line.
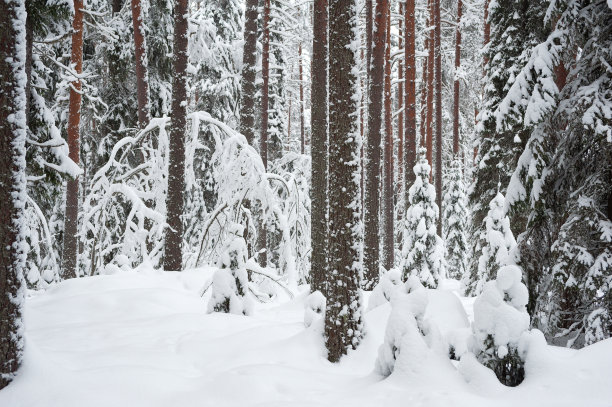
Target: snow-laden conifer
455	223
496	243
423	249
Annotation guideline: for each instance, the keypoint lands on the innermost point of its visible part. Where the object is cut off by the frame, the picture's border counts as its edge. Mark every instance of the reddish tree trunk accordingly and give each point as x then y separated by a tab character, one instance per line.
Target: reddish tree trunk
410	90
69	258
249	69
388	190
400	106
487	28
142	76
173	252
430	83
371	255
456	84
438	58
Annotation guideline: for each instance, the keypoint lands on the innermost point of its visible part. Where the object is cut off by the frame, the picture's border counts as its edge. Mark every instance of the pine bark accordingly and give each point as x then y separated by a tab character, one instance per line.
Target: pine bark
249	68
388	176
262	238
400	107
410	97
456	83
12	180
438	57
301	73
69	258
371	252
319	147
142	75
173	254
343	323
430	83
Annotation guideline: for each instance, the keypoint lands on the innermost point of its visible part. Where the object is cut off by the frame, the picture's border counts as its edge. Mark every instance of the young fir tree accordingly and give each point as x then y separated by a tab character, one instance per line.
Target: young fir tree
500	319
423	251
455	223
13	191
343	321
495	244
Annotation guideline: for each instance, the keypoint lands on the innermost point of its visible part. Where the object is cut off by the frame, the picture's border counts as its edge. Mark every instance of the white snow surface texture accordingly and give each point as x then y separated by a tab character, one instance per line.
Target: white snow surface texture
145	339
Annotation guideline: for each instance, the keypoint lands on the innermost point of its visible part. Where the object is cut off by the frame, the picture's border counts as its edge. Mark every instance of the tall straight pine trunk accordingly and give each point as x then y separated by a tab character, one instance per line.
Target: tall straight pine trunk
173	253
388	176
13	186
319	147
430	83
456	83
69	257
410	97
371	254
301	79
249	69
343	322
400	106
438	58
142	75
262	238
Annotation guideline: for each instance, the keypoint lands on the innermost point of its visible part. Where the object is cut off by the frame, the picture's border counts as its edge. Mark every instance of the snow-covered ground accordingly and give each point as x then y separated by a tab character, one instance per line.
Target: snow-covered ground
144	339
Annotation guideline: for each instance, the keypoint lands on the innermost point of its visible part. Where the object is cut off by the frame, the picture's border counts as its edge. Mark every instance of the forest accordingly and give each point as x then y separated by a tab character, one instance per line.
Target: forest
305	202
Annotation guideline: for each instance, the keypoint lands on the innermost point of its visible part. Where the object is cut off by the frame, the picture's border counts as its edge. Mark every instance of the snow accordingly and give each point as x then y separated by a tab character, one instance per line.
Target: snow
145	339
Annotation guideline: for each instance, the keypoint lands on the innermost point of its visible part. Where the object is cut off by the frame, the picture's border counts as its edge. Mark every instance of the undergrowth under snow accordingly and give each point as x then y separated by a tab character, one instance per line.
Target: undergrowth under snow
145	339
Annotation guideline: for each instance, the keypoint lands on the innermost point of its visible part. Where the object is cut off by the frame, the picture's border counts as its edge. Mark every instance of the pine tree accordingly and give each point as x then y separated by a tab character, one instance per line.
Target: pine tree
387	207
13	191
249	61
343	322
423	251
70	252
142	74
173	252
455	222
371	254
319	147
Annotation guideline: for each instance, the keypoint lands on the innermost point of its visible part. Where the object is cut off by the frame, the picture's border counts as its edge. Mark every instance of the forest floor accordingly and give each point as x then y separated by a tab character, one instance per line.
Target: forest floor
145	339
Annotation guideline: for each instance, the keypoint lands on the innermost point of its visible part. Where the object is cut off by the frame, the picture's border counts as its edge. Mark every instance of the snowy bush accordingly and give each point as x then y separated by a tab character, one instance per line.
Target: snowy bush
402	330
314	308
423	249
500	319
230	285
497	242
384	290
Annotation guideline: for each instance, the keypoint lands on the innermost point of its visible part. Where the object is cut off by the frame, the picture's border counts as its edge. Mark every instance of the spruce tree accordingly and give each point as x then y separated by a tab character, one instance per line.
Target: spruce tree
423	251
455	222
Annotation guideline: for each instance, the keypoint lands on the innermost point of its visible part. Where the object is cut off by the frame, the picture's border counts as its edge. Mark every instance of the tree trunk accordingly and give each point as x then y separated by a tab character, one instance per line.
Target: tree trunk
263	138
371	255
388	176
249	68
400	116
438	57
430	83
487	29
13	190
69	259
456	84
142	75
173	254
369	20
300	69
319	148
410	90
343	323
